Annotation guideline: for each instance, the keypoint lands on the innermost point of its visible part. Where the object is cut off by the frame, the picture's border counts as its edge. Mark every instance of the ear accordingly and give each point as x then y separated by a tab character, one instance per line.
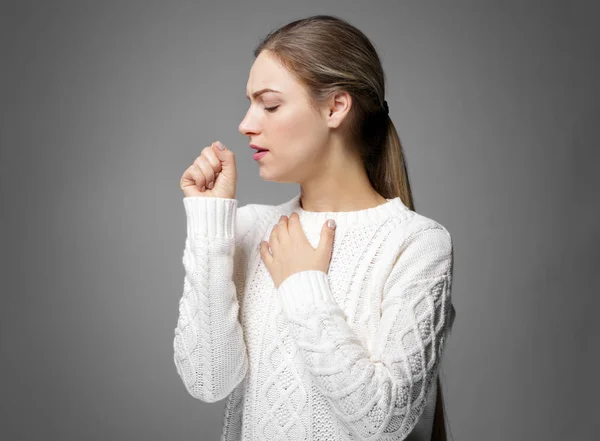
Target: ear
337	108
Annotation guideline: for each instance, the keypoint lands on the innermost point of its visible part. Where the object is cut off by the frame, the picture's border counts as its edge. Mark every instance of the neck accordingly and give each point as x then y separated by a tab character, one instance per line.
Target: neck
339	200
344	186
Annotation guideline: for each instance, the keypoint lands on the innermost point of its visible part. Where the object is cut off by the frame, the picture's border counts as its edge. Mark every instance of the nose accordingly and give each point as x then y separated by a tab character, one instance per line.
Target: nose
248	126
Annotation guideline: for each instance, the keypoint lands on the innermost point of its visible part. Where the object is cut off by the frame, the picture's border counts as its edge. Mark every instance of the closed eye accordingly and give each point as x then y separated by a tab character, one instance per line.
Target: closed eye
271	109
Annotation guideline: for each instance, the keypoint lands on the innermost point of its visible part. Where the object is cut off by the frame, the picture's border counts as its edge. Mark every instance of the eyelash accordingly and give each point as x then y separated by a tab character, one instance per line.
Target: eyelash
271	109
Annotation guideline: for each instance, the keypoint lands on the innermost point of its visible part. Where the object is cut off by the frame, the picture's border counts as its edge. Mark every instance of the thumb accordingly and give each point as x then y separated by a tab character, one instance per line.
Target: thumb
327	234
225	155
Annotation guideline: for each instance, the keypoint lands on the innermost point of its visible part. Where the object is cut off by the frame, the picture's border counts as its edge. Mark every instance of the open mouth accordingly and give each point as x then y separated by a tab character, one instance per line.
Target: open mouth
259	154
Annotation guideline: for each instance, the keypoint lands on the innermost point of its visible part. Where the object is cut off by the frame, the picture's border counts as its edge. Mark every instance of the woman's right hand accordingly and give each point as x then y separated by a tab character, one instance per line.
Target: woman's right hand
212	174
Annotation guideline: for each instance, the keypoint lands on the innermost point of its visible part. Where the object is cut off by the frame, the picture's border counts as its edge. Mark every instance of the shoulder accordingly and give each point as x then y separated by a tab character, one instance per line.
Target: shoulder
249	216
252	220
420	227
422	247
249	213
409	226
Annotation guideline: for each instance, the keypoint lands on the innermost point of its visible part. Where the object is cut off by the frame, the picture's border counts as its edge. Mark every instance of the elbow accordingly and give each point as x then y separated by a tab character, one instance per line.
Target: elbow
206	389
393	410
207	398
221	391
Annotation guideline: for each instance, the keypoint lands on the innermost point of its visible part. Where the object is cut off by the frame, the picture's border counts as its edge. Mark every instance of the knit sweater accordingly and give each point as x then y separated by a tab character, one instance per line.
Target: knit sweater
351	354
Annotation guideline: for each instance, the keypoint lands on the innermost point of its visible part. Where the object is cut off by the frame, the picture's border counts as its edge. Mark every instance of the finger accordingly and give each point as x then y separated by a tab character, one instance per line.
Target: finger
282	228
211	157
265	254
207	169
226	156
294	225
198	176
326	239
274	238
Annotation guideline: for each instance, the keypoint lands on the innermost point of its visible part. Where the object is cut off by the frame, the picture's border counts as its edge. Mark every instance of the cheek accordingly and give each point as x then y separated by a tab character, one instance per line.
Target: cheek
296	139
297	134
292	126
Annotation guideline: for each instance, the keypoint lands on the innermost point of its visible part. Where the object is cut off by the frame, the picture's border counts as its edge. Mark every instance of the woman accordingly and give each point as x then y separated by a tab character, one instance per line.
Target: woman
311	329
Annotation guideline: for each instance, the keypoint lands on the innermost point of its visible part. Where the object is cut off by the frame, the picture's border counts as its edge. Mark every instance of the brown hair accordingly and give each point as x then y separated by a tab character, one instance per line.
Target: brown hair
327	54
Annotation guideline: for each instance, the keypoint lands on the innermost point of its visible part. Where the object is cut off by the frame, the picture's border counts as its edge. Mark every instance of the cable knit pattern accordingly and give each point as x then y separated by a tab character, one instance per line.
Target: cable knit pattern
351	354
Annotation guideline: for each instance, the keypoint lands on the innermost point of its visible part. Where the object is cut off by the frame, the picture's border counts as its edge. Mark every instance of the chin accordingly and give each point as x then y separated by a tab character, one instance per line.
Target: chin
267	175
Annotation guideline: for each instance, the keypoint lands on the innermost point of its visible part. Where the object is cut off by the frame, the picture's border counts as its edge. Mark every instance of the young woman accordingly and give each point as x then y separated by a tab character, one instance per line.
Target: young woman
315	330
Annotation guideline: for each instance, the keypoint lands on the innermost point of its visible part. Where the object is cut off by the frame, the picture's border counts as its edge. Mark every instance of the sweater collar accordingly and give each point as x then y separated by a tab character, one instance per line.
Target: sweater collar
369	216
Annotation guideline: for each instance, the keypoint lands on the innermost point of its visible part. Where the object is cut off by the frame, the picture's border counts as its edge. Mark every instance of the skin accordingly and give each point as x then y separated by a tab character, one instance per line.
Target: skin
291	252
305	146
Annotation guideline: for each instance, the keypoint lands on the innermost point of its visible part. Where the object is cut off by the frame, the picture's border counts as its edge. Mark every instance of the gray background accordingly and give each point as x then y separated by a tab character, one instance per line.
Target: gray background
105	104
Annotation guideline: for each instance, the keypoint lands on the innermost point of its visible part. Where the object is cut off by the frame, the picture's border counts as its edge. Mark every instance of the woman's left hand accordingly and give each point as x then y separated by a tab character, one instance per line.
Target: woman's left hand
291	252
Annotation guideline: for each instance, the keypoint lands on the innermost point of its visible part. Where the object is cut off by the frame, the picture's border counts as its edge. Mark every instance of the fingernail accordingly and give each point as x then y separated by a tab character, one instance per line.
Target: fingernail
331	223
203	187
220	145
210	185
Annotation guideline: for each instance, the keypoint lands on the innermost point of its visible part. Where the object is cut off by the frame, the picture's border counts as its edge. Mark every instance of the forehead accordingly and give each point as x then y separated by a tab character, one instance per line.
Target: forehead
266	71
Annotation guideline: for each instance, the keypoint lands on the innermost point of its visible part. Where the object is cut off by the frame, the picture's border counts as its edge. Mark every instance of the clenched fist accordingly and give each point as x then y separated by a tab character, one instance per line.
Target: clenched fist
213	173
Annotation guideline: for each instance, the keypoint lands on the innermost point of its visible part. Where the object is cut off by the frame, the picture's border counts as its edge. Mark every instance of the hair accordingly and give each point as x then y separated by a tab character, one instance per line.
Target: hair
326	54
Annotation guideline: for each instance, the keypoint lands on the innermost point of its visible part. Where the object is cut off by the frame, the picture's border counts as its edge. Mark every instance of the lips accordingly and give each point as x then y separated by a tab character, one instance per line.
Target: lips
258	149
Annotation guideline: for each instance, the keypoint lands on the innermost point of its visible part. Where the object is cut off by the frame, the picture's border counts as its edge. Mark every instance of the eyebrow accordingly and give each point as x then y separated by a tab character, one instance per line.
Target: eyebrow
261	91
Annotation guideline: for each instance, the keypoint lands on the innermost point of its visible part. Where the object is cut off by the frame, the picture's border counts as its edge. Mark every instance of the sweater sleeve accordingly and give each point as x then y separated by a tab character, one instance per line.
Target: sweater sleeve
209	348
382	390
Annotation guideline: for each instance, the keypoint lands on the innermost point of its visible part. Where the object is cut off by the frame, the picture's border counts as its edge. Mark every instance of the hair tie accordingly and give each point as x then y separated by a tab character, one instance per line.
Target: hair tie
385	106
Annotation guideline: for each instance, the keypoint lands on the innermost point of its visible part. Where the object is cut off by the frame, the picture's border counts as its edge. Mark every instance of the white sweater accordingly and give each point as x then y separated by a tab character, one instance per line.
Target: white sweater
350	354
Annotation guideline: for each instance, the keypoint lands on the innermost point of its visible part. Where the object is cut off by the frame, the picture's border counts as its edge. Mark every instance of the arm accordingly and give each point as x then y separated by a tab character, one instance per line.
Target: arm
382	391
209	349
